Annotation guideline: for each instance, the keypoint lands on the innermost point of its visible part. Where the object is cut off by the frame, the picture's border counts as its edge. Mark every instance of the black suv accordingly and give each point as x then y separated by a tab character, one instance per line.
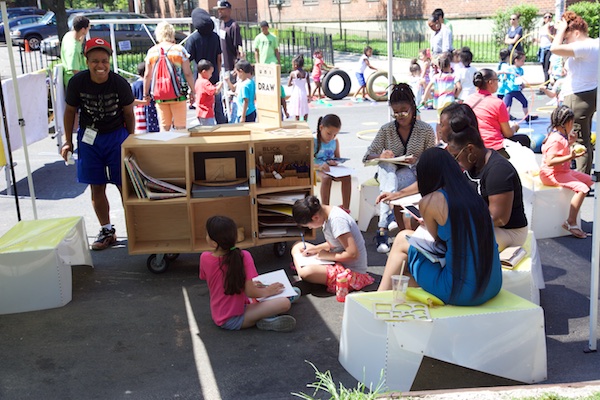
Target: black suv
18	11
128	37
35	33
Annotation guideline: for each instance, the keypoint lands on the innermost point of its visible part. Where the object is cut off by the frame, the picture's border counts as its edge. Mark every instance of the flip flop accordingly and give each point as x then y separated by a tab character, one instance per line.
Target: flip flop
575	230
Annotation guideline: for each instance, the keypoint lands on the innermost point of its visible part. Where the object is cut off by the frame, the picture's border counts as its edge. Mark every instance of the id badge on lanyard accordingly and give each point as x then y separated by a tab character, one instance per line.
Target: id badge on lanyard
89	135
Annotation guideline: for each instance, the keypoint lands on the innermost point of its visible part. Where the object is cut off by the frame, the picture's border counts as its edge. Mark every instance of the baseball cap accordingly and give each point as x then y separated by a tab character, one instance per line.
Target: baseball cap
97	43
264	23
222	4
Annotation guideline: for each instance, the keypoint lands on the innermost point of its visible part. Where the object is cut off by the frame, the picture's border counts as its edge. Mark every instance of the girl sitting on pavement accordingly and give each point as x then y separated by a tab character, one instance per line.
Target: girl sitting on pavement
228	272
556	169
327	153
344	246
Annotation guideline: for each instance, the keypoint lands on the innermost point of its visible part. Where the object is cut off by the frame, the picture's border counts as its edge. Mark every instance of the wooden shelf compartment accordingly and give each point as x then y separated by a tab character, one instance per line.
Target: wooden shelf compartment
158	227
236	208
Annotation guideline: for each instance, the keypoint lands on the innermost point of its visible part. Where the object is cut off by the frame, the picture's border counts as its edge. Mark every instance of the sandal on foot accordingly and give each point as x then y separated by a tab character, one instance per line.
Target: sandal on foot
575	230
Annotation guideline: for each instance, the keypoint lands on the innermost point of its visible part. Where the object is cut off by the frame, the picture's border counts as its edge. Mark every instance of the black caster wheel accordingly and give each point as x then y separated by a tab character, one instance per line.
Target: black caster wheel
157	263
279	248
171	256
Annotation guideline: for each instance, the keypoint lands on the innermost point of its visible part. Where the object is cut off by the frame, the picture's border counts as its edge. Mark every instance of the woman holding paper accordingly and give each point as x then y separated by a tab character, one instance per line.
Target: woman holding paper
492	176
404	137
455	214
342	254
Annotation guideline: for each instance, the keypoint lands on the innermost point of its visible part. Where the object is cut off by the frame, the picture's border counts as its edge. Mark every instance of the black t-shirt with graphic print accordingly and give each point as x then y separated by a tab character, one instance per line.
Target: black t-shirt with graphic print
496	177
100	104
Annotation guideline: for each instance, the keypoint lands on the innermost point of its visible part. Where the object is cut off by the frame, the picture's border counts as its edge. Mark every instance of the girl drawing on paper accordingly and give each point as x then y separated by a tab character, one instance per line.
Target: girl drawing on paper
344	246
228	272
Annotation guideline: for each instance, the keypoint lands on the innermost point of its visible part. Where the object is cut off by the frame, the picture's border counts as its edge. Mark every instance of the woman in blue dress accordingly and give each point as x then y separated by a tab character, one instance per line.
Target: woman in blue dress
455	214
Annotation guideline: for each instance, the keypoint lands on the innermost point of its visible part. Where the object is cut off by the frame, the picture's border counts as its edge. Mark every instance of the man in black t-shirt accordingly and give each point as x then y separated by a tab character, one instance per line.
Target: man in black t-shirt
105	104
231	43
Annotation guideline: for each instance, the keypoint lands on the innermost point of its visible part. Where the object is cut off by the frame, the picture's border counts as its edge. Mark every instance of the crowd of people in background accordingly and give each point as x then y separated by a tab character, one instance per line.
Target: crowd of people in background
472	197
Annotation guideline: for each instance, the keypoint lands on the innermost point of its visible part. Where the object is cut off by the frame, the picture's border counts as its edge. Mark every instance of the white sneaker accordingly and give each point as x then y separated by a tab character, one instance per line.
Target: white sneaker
383	248
393	225
280	323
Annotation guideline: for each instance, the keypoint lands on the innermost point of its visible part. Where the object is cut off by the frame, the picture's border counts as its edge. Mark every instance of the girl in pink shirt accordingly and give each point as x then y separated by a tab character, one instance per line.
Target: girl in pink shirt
557	151
228	272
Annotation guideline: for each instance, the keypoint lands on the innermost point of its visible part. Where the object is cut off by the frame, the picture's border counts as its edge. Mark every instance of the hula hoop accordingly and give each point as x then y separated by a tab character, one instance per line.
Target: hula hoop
545	109
364	134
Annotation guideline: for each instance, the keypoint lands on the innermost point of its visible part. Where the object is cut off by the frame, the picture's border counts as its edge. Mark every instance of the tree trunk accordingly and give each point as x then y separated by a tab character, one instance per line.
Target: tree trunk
58	7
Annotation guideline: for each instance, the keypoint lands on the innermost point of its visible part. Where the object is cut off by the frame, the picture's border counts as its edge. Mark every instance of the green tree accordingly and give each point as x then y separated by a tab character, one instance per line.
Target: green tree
502	23
590	12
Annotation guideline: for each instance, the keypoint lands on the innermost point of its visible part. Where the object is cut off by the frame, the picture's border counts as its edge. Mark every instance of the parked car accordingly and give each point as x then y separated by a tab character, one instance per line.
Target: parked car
128	37
36	32
16	21
19	11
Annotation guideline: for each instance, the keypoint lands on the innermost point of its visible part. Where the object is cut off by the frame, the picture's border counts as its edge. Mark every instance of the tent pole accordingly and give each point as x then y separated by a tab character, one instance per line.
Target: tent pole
8	146
595	268
390	49
13	73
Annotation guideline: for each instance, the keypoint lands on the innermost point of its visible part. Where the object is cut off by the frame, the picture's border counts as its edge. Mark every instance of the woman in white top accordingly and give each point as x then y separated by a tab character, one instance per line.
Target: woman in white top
580	84
545	36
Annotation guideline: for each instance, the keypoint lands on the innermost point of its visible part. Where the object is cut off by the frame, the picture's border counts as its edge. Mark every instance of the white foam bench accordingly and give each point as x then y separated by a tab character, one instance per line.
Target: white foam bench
367	209
503	337
546	207
35	263
526	278
335	196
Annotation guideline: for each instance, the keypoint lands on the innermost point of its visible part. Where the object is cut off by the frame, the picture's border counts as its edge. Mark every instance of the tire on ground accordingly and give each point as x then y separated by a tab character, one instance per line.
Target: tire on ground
371	90
345	90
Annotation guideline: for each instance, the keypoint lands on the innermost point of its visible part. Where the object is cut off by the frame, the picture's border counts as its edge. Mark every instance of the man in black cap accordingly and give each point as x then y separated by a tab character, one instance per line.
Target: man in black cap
105	103
231	41
230	35
204	44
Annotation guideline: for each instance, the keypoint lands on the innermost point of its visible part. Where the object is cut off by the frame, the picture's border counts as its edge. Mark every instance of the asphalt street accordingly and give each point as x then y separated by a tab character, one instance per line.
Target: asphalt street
132	334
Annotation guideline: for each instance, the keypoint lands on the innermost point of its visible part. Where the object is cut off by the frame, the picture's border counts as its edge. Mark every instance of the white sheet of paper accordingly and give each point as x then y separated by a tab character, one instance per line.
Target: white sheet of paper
338	171
274	277
407	200
301	261
161	136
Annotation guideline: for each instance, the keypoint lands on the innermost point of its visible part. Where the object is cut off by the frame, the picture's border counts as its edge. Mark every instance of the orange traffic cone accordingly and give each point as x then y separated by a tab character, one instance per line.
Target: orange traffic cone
27	48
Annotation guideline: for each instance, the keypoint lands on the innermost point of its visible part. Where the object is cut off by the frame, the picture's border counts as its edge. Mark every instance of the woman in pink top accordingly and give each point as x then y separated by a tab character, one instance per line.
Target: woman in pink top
556	165
491	113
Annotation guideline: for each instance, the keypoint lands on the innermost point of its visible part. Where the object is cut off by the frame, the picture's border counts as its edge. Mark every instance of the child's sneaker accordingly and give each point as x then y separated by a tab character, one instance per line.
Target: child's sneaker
382	240
295	298
345	209
105	238
280	323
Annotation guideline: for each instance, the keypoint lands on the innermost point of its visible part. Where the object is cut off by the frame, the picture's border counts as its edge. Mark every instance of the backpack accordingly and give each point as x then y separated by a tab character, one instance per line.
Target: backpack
165	81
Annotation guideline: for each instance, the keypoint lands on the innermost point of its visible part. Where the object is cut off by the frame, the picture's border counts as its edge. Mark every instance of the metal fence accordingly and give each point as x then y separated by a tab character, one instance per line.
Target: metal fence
294	41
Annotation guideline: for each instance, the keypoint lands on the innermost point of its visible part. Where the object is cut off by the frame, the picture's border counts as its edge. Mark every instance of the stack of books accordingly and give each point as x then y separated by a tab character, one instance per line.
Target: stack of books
147	187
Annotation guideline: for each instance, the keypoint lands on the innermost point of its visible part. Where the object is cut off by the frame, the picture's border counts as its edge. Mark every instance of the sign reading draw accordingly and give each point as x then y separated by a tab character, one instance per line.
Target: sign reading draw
266	80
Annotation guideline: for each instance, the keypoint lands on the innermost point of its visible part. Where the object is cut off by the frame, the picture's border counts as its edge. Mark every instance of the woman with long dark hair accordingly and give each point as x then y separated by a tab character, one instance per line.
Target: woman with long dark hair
453	213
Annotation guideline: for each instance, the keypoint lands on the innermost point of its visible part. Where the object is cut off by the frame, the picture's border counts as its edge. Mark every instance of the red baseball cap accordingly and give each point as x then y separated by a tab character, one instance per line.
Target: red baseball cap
97	43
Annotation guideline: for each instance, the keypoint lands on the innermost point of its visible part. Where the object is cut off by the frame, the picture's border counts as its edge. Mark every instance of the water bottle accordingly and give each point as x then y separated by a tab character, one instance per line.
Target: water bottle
70	159
342	286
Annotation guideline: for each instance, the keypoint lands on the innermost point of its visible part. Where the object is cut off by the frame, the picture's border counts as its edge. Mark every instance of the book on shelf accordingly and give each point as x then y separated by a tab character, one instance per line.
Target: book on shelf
400	160
234	190
288	198
510	257
147	187
279	231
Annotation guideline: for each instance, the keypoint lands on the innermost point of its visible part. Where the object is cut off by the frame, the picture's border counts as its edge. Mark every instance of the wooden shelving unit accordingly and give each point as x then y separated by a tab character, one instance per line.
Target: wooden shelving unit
172	226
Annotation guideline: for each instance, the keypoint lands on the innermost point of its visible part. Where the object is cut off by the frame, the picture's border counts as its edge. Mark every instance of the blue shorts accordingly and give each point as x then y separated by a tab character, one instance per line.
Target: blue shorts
360	77
100	163
234	323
